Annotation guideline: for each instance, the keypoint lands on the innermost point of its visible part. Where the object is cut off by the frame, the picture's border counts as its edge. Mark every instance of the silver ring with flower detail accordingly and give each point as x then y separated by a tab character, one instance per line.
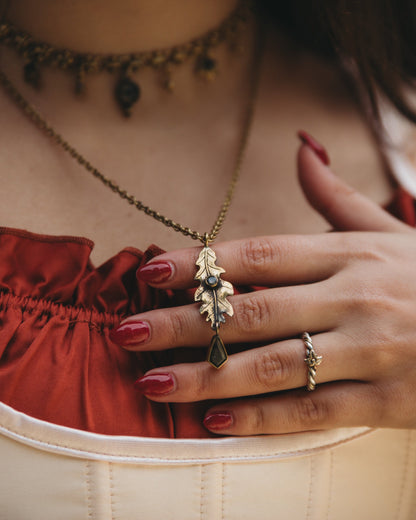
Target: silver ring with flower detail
311	360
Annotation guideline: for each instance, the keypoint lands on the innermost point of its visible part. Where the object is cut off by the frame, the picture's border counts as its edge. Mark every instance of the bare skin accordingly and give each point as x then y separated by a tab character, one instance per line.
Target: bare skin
353	290
185	140
363	282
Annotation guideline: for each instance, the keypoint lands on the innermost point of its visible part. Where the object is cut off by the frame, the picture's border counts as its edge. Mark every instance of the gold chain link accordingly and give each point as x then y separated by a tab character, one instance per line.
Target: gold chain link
205	238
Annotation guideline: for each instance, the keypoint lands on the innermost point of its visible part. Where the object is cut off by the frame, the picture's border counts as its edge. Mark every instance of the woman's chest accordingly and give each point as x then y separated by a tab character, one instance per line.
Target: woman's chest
185	174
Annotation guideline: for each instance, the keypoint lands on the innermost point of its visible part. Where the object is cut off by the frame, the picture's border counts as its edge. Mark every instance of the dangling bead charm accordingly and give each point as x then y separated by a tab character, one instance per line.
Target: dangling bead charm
207	67
80	81
213	293
167	81
127	93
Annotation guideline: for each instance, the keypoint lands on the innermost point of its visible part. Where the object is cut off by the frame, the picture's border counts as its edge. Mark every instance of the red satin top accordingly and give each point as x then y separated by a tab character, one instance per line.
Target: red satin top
57	362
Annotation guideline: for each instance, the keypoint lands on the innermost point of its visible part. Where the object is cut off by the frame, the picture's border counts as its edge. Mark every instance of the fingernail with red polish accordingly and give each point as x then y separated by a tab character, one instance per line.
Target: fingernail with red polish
315	146
155	384
155	272
218	420
131	333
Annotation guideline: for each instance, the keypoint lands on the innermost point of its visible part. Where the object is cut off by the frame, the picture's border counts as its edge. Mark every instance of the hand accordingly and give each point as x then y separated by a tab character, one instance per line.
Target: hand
353	291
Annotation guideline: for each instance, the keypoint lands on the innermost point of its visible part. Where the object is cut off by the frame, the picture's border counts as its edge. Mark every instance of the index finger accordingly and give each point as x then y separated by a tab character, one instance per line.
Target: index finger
268	260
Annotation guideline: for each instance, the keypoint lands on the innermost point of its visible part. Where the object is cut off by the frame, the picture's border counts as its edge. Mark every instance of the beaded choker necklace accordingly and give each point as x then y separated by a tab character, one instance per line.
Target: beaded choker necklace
126	67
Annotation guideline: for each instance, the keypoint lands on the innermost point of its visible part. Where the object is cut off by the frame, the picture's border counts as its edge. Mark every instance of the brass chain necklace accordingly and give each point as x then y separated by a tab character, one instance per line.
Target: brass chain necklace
212	291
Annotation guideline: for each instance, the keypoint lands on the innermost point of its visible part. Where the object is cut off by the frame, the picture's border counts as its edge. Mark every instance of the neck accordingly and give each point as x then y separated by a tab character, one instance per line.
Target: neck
124	26
110	26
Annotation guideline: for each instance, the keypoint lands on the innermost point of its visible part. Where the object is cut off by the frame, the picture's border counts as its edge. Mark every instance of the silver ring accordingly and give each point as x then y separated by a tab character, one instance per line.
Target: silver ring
311	360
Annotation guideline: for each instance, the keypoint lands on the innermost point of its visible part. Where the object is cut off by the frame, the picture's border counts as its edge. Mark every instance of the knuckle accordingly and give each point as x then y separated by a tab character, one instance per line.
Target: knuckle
256	420
253	314
380	409
387	340
178	327
360	250
257	254
382	352
270	369
310	412
201	383
369	298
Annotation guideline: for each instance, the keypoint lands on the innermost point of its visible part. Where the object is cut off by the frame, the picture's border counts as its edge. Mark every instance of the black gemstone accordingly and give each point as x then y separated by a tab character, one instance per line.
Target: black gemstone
208	63
217	354
127	93
212	281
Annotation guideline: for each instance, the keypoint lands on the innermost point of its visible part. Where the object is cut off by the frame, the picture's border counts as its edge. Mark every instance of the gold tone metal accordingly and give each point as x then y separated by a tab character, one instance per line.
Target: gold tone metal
38	54
311	360
212	293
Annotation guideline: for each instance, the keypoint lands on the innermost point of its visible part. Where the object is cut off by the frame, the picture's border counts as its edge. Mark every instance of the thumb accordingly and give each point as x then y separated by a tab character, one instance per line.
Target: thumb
343	207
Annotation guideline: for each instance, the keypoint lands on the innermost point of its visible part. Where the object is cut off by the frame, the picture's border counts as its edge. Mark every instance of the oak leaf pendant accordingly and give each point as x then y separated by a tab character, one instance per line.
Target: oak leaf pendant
213	292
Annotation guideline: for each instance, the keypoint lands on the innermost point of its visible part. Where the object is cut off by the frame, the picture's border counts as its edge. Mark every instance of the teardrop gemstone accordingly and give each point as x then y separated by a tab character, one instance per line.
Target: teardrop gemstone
217	354
127	93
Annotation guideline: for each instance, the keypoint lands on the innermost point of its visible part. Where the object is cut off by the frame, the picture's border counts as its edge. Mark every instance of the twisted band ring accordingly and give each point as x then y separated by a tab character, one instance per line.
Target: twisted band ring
311	360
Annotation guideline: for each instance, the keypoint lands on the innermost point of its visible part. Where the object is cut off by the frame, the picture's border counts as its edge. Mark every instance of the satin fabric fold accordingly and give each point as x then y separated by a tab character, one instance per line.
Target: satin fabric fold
57	362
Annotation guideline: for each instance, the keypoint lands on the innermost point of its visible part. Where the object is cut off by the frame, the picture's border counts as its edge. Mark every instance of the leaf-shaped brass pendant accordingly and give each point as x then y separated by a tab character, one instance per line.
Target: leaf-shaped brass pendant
213	293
